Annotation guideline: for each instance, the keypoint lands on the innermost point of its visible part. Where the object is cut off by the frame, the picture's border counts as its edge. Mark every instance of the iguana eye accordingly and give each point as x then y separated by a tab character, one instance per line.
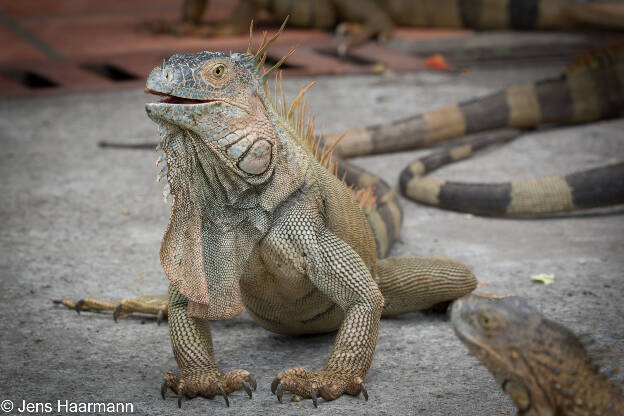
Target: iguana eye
486	321
218	70
257	158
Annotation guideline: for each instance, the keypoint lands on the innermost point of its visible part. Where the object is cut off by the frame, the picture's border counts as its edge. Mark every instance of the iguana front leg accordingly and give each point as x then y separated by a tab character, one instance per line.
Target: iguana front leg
192	348
339	272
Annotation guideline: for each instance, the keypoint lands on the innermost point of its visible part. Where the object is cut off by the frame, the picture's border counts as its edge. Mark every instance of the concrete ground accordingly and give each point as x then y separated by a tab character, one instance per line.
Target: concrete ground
78	221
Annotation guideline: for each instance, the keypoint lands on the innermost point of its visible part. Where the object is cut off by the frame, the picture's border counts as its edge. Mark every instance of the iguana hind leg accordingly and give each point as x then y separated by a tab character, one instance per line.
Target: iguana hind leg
148	304
410	284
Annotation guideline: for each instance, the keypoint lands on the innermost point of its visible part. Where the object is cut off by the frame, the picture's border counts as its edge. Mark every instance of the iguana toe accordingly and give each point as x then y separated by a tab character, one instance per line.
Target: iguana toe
207	383
116	312
247	388
79	305
224	394
311	384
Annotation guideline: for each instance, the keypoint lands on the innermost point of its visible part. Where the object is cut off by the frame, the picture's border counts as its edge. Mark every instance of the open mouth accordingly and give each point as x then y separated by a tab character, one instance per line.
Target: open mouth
172	99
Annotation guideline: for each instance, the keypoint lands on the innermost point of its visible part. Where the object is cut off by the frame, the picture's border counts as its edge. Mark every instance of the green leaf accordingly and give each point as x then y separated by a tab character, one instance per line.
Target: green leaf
544	278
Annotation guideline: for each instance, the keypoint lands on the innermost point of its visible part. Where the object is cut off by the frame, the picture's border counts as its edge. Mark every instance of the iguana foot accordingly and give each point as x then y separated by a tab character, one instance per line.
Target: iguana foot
349	35
149	304
206	383
311	384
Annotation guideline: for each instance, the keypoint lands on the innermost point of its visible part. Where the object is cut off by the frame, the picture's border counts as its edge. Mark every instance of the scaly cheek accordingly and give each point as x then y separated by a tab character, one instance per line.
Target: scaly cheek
238	148
185	120
257	159
221	125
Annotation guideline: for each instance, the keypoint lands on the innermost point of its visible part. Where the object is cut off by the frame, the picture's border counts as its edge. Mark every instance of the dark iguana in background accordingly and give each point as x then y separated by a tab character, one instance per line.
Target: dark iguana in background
365	19
260	221
591	89
540	364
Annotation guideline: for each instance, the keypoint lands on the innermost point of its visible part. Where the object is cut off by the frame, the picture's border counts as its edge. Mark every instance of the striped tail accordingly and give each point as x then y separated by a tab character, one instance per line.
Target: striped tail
594	16
504	14
543	196
586	92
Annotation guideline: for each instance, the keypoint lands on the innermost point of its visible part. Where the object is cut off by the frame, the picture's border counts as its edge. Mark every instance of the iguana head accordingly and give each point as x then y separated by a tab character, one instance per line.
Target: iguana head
217	99
500	332
230	162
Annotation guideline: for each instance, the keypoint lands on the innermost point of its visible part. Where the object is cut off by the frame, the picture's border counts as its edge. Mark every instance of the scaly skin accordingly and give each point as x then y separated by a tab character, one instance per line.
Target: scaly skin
541	365
258	223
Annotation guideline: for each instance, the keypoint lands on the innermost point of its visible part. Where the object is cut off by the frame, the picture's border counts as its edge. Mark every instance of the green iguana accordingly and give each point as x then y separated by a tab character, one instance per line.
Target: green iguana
260	222
359	20
540	364
591	89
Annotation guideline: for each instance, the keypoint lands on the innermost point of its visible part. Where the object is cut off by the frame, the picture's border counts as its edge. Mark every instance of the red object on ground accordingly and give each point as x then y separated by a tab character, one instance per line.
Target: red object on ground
437	62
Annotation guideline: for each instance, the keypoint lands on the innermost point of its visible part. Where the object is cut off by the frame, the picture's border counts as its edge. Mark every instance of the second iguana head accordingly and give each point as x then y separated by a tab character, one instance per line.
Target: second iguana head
539	363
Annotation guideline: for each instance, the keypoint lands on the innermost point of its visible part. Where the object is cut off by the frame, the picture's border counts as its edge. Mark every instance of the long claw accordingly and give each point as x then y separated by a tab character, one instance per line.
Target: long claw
163	390
79	305
274	385
279	392
116	312
253	383
314	399
160	317
364	392
180	395
247	388
225	397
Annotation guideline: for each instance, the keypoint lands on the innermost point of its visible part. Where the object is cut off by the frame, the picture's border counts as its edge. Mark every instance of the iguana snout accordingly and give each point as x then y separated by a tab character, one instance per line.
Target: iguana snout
200	76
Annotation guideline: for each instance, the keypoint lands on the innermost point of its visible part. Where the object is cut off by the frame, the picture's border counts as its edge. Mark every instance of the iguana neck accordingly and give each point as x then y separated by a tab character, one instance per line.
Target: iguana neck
568	373
217	218
214	189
